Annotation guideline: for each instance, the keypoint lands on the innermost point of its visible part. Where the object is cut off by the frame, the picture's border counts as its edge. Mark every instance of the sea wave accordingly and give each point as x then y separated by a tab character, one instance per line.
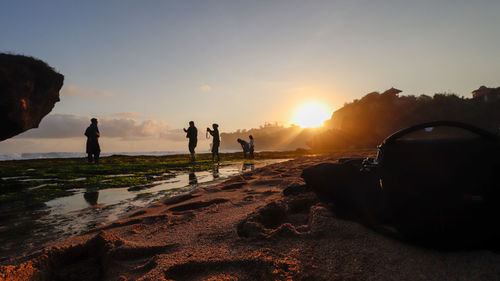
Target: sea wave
51	155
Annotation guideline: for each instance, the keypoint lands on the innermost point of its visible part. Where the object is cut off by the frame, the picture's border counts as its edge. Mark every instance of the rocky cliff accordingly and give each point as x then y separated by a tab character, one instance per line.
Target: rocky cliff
29	88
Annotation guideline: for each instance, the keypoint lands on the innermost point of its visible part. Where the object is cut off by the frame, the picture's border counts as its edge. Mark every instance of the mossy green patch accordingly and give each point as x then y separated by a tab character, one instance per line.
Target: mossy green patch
28	184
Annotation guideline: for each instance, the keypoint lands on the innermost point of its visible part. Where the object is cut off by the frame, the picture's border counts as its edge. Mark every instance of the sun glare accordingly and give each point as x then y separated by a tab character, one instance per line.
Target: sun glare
310	115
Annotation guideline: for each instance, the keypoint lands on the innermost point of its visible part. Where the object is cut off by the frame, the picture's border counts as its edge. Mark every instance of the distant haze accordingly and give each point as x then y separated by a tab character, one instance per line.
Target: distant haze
146	68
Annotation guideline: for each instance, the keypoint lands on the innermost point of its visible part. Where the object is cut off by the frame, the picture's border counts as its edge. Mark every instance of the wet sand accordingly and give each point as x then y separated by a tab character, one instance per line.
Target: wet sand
29	229
247	228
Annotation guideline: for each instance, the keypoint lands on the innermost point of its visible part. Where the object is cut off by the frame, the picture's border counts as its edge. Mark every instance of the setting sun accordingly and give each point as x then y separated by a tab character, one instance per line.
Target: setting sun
312	114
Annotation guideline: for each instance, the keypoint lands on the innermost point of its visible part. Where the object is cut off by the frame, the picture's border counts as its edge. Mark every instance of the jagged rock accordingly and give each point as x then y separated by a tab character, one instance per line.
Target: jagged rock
29	89
295	189
354	193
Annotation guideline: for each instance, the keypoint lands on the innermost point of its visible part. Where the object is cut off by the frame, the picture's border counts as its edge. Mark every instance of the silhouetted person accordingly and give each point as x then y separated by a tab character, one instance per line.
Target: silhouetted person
93	148
245	146
216	141
251	146
192	135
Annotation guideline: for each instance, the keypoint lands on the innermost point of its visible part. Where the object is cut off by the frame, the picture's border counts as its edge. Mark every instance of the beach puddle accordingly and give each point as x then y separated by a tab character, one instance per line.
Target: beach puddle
119	175
30	179
37	187
13	178
88	208
78	179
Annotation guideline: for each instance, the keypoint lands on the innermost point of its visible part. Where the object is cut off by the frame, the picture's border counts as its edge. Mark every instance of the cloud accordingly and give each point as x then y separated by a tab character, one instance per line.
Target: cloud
71	126
126	115
72	90
58	126
206	88
174	135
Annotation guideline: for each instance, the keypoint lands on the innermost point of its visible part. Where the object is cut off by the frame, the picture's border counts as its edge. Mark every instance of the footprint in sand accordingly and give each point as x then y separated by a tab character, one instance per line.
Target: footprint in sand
92	259
290	217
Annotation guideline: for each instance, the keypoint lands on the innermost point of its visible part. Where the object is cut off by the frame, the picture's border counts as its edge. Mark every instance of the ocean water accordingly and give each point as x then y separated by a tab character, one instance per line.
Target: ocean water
48	155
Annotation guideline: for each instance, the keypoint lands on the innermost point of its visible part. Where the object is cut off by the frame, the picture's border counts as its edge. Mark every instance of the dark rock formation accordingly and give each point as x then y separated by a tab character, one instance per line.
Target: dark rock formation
441	197
29	88
355	194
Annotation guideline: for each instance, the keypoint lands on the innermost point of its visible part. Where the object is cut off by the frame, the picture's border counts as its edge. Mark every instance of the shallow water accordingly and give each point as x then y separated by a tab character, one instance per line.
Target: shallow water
88	208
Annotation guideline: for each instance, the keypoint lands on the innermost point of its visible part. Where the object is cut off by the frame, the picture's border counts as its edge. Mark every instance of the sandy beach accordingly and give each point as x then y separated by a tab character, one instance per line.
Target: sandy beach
249	140
262	225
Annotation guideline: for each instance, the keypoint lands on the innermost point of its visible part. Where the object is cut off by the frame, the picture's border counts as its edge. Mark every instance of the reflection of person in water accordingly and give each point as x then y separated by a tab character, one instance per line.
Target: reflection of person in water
248	166
215	171
216	141
91	196
192	178
192	135
251	146
93	148
245	146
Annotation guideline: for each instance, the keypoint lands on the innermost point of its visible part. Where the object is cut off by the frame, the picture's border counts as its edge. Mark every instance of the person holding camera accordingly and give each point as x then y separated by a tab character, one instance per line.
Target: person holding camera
215	142
192	135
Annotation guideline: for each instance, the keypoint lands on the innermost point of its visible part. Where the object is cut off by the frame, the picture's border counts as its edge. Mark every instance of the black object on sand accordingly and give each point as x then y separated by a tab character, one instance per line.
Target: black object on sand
439	183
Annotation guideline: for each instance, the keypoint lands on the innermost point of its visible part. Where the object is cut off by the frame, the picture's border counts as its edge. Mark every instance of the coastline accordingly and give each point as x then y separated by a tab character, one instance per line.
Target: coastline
48	199
66	155
261	225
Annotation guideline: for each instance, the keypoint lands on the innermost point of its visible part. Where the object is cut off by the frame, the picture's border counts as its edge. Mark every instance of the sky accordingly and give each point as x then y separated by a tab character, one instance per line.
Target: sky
146	68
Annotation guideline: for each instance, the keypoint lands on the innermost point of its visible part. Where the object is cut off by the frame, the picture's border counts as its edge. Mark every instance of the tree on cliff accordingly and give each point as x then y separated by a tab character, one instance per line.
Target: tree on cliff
366	122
